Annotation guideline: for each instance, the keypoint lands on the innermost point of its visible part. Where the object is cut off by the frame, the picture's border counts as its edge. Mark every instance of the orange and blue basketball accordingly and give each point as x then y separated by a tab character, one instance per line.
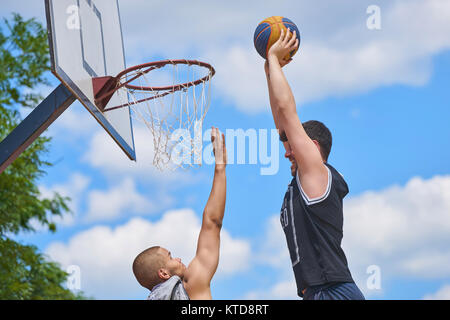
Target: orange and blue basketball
268	32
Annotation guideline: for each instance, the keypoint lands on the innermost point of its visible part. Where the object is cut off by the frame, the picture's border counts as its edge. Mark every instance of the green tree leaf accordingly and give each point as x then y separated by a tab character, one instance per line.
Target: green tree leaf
24	272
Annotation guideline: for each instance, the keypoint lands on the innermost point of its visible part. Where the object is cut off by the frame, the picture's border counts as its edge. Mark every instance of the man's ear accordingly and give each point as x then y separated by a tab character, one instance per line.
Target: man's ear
317	144
163	274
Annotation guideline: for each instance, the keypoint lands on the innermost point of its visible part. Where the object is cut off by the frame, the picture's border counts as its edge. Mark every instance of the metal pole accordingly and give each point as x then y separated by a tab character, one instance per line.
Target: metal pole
34	124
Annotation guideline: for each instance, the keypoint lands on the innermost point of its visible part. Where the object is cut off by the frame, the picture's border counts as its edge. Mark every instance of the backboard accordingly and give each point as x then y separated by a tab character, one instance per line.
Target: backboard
85	38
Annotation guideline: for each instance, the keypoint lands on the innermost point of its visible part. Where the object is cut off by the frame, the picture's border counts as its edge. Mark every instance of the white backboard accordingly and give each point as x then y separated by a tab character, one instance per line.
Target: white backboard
85	38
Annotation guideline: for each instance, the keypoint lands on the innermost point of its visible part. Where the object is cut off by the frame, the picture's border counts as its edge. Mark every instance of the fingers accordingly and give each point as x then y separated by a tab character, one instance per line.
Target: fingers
287	37
292	40
280	39
282	36
216	138
218	145
219	149
224	150
294	45
213	134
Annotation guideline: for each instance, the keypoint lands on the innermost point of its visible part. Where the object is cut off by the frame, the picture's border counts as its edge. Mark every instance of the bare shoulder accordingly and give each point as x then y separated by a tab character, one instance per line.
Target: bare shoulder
194	281
314	184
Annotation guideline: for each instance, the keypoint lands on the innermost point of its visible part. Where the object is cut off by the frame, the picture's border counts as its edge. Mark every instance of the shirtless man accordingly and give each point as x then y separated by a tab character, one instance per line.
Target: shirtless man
167	277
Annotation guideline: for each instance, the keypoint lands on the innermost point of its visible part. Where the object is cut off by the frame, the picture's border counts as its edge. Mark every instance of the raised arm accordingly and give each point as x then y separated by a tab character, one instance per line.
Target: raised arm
273	106
312	173
202	268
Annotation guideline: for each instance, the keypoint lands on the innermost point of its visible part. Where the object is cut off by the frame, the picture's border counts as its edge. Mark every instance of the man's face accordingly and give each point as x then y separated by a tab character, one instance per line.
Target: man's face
290	155
174	266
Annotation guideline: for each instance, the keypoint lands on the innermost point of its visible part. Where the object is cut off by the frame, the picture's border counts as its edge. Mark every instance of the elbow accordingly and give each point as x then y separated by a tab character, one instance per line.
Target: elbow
286	106
212	222
217	223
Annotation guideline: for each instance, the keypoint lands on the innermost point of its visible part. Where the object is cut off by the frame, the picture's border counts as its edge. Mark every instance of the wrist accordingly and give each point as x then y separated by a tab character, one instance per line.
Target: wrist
219	168
272	58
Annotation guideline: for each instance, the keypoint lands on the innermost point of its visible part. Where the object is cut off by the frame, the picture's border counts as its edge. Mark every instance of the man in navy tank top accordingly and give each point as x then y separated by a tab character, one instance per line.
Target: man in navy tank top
312	211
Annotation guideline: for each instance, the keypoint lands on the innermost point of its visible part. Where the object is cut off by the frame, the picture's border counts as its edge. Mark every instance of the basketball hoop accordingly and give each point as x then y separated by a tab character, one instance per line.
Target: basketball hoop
173	113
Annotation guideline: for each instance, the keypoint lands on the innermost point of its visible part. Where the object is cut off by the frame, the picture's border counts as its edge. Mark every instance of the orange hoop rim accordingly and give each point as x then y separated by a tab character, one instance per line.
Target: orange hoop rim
104	87
159	64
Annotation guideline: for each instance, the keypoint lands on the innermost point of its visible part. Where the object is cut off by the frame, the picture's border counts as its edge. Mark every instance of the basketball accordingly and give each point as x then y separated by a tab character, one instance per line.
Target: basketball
268	32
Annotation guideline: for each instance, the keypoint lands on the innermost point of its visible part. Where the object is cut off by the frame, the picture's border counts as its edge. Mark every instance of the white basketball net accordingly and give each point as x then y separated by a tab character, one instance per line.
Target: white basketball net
175	119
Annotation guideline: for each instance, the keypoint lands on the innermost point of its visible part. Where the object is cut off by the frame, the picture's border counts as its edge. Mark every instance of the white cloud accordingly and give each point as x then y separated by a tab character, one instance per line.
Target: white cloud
234	254
244	84
442	294
336	68
201	24
74	188
121	199
403	229
338	56
284	290
273	250
103	154
105	255
74	124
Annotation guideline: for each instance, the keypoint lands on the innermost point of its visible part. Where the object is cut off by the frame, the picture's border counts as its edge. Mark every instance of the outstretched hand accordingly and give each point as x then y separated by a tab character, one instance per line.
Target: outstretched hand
219	148
286	43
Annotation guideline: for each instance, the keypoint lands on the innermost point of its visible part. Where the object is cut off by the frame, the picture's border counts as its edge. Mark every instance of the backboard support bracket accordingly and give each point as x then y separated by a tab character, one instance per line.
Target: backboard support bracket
34	125
101	86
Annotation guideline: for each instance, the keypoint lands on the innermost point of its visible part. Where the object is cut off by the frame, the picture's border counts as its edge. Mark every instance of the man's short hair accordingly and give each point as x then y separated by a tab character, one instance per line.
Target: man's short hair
146	266
316	130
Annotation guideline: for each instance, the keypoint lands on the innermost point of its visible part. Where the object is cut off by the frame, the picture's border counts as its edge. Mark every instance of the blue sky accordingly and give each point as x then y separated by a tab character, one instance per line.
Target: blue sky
383	94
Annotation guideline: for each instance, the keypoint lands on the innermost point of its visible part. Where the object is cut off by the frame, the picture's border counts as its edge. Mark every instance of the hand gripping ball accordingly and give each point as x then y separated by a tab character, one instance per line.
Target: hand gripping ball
268	32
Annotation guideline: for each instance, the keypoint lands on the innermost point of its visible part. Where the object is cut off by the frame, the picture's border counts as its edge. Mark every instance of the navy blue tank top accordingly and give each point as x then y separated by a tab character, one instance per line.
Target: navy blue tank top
313	229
